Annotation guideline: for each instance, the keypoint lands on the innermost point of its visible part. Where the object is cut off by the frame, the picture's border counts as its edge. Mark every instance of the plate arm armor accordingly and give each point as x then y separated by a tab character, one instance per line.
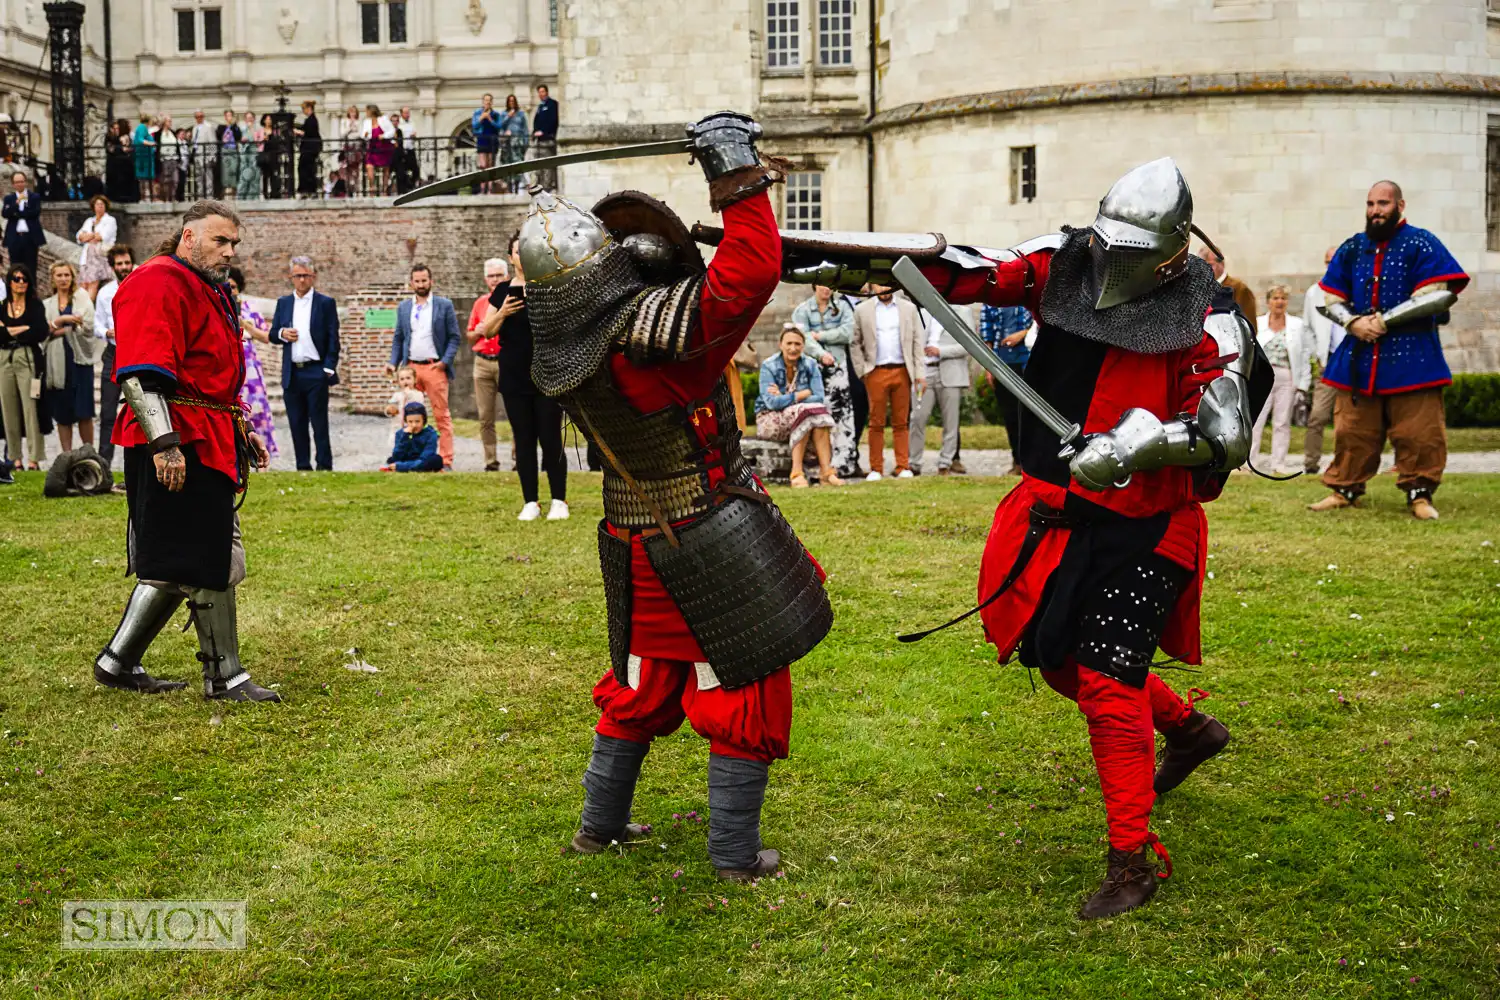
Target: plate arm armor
1430	301
1337	311
1218	435
150	408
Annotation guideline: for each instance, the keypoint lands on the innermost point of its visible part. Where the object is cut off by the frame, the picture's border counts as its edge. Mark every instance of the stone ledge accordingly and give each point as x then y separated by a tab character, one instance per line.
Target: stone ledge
148	209
1197	85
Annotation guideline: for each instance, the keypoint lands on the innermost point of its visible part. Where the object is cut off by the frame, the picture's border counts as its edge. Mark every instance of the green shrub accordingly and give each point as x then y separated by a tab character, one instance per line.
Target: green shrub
750	382
1473	401
986	401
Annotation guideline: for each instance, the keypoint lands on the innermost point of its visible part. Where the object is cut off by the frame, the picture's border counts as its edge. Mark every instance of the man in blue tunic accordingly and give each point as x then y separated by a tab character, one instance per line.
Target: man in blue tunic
1391	287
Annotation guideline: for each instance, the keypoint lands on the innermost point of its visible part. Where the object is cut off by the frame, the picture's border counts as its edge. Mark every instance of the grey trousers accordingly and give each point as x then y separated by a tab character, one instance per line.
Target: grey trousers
947	402
1319	413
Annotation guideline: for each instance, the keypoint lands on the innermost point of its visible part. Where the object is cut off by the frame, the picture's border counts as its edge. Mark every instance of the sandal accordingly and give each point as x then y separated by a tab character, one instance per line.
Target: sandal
830	479
799	482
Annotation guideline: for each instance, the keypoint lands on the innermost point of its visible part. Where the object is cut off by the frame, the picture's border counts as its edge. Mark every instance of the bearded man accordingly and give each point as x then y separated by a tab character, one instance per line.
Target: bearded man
709	593
180	366
1390	287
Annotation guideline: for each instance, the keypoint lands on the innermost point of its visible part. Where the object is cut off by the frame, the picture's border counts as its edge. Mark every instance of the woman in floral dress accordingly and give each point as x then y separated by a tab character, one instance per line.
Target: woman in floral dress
253	327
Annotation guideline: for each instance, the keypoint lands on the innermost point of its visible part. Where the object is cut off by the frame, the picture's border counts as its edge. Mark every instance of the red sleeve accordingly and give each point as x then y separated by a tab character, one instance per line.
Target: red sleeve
1017	282
1192	382
151	323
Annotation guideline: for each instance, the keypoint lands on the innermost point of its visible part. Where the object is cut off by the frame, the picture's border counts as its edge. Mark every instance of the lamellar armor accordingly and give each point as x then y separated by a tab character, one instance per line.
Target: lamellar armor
627	277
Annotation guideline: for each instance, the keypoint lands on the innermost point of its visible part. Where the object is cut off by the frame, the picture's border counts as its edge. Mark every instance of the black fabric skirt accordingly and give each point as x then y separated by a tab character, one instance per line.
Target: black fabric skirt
183	537
75	400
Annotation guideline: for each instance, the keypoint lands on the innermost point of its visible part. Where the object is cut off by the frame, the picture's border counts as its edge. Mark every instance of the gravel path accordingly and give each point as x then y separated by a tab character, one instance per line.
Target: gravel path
362	443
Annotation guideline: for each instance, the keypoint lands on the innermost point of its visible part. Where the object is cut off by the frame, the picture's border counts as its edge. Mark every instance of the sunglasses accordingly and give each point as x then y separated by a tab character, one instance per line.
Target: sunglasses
21	278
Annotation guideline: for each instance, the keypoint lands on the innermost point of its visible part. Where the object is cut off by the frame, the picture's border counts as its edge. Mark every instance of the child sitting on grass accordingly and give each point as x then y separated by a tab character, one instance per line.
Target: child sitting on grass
415	448
406	392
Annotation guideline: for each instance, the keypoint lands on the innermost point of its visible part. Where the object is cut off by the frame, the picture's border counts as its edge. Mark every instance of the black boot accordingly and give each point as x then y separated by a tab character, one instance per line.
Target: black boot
224	678
609	790
118	665
1130	882
1198	738
736	792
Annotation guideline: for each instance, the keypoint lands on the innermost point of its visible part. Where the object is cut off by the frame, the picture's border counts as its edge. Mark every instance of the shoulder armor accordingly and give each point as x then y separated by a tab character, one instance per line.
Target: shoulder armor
1051	241
664	318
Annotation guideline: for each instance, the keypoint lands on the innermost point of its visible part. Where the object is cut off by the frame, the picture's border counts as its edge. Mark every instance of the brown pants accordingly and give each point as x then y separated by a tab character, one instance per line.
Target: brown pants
1321	411
1414	423
889	389
486	392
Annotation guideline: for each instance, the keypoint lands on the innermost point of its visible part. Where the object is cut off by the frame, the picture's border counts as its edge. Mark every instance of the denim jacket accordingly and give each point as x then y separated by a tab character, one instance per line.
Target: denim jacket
416	452
773	372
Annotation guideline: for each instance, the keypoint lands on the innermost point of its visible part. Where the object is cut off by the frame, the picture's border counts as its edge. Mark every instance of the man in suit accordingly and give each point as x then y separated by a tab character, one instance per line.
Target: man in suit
947	377
23	223
888	356
1230	287
426	340
306	325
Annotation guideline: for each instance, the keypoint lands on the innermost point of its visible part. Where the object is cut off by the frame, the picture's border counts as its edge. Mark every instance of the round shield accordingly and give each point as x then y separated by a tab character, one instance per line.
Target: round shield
631	213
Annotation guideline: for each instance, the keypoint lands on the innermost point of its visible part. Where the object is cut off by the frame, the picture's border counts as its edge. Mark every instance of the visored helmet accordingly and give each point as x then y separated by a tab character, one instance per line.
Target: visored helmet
1139	240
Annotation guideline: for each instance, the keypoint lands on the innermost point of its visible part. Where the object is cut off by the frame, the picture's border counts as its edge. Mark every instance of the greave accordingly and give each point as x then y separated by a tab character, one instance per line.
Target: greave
146	614
218	640
736	792
609	785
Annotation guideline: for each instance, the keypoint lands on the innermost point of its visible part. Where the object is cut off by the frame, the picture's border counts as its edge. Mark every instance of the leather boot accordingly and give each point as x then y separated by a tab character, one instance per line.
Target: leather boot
587	843
1423	510
766	863
224	678
1130	882
1333	501
1198	738
118	664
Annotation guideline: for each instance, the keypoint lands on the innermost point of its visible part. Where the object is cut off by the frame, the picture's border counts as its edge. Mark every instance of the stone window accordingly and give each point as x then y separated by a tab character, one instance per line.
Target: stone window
552	17
783	34
189	23
1492	185
836	33
804	200
375	29
1022	174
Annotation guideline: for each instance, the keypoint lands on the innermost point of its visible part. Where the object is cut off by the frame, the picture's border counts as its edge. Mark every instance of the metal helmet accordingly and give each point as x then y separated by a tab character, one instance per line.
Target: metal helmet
1139	240
560	241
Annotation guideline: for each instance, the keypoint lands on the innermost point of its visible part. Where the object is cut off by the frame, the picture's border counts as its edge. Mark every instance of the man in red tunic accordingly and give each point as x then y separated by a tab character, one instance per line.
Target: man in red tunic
1096	558
179	366
710	594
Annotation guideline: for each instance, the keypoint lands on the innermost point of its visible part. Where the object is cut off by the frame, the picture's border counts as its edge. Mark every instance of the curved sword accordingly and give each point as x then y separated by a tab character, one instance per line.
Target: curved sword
664	148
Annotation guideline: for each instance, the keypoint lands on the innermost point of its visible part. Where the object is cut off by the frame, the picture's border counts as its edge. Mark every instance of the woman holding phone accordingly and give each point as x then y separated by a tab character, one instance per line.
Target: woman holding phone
534	418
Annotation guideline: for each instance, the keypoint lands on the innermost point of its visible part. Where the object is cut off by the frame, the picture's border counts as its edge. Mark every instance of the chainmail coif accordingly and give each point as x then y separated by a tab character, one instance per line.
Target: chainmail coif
1168	319
573	322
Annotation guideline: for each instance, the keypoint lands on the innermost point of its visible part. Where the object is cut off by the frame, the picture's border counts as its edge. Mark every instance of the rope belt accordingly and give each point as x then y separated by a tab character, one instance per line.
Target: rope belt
242	450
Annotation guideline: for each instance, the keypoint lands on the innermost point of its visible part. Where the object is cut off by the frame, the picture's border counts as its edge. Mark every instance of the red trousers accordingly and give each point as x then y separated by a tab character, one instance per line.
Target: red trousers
753	722
1121	719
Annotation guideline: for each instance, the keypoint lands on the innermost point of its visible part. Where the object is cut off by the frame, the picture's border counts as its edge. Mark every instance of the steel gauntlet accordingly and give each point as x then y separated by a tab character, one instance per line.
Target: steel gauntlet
1338	312
724	144
151	412
1138	443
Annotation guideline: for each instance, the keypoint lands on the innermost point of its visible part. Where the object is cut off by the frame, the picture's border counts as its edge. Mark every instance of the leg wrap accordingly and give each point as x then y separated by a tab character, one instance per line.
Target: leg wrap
736	792
149	610
1124	747
218	639
609	785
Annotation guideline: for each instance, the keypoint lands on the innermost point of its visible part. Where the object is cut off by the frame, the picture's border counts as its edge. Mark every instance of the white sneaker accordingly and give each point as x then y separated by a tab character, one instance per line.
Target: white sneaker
558	511
530	512
874	477
905	474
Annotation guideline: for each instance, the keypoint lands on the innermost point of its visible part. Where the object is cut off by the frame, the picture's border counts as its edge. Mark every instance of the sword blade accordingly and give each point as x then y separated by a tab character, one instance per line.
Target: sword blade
453	184
925	295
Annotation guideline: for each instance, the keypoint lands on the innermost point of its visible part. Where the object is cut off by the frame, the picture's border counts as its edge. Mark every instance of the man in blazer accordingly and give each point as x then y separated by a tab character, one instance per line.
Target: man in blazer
887	353
23	223
306	325
426	340
947	372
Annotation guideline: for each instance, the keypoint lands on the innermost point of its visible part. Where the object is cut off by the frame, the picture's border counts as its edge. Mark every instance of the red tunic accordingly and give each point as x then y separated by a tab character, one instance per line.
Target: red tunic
171	321
741	279
1163	384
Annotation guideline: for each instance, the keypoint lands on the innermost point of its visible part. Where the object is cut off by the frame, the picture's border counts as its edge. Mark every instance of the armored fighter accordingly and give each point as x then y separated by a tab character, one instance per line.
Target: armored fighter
1096	558
710	595
187	453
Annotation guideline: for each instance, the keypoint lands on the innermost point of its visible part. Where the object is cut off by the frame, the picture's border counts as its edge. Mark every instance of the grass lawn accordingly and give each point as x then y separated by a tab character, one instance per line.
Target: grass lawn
397	834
